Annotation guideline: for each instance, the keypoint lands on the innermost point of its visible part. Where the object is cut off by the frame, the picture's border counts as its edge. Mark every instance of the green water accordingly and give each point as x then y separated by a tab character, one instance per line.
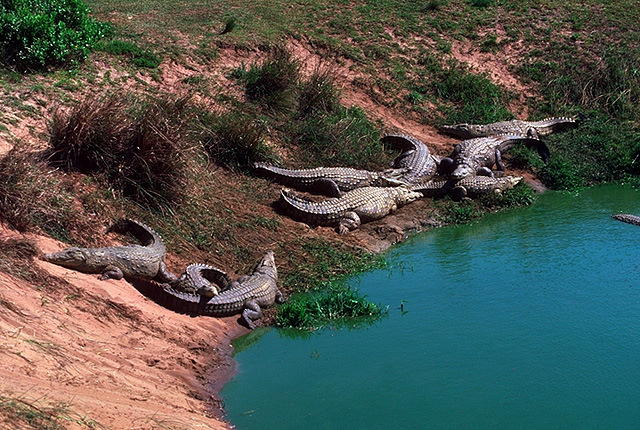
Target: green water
528	319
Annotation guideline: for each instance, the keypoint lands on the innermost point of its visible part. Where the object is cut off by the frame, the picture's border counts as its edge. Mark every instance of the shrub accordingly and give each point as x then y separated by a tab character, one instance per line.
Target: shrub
234	139
137	146
37	34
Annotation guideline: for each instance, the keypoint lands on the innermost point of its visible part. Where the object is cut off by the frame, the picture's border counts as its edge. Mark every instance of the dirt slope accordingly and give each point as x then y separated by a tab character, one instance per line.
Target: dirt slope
108	352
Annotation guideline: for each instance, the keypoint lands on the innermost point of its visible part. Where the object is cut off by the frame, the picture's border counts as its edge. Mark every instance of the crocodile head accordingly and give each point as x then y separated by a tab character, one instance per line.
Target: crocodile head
406	195
459	130
267	266
511	181
462	171
393	177
71	258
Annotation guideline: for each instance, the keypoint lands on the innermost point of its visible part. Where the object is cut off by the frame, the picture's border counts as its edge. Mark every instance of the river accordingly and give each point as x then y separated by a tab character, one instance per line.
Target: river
527	319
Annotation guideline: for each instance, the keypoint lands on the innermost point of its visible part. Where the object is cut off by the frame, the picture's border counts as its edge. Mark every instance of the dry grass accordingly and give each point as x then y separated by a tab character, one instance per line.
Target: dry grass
137	146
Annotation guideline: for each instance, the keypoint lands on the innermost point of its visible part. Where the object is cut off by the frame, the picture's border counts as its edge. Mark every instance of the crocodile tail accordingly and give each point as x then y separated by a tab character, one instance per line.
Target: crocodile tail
541	147
145	234
402	141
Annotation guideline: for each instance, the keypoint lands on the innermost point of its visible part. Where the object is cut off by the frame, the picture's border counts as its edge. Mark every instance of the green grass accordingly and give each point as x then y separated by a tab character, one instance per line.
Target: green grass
338	305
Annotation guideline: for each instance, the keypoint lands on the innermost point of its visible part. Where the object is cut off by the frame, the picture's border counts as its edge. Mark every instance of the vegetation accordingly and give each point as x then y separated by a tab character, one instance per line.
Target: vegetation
312	311
138	147
37	34
32	414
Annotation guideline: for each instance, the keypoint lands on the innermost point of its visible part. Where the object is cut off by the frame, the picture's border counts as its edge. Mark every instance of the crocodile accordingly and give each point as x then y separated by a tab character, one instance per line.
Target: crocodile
348	211
415	157
541	128
469	186
331	181
477	156
198	278
117	262
631	219
246	296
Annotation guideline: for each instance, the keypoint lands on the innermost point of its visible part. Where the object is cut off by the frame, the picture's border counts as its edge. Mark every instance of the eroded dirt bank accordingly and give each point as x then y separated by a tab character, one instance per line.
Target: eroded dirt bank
107	352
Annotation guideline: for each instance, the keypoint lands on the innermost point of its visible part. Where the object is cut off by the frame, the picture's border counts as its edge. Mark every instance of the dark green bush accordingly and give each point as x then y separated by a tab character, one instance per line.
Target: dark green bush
37	34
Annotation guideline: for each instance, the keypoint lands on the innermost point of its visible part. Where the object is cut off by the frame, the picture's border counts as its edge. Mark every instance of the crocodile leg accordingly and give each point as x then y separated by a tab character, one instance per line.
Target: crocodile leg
111	272
349	221
499	162
164	276
251	312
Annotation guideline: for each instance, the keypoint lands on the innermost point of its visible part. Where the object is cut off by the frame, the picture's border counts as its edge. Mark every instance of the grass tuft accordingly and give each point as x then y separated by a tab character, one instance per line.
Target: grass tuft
137	146
31	195
234	139
319	309
138	56
274	81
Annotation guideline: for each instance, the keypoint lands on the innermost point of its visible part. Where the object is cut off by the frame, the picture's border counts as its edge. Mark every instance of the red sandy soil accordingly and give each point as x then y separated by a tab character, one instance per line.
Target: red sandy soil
116	357
111	354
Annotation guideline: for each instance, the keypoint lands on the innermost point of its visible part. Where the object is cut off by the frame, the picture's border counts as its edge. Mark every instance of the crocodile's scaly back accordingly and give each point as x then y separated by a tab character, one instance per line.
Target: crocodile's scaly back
415	157
542	128
348	211
129	261
246	296
202	279
331	181
629	218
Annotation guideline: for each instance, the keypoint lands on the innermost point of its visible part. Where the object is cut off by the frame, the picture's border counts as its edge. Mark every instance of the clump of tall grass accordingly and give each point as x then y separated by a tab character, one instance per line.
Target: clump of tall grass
137	146
318	93
274	81
336	305
31	195
345	137
234	139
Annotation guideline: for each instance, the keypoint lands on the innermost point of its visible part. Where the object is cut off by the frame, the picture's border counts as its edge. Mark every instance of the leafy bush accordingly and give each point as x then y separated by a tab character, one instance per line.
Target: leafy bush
235	139
36	34
137	146
316	310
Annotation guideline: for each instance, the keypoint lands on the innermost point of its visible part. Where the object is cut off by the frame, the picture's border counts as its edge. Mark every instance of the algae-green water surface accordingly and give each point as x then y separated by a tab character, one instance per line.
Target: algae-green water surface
527	319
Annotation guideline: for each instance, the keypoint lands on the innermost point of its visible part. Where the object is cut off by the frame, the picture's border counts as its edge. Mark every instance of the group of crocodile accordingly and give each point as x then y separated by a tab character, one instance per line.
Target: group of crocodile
467	172
201	290
358	196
